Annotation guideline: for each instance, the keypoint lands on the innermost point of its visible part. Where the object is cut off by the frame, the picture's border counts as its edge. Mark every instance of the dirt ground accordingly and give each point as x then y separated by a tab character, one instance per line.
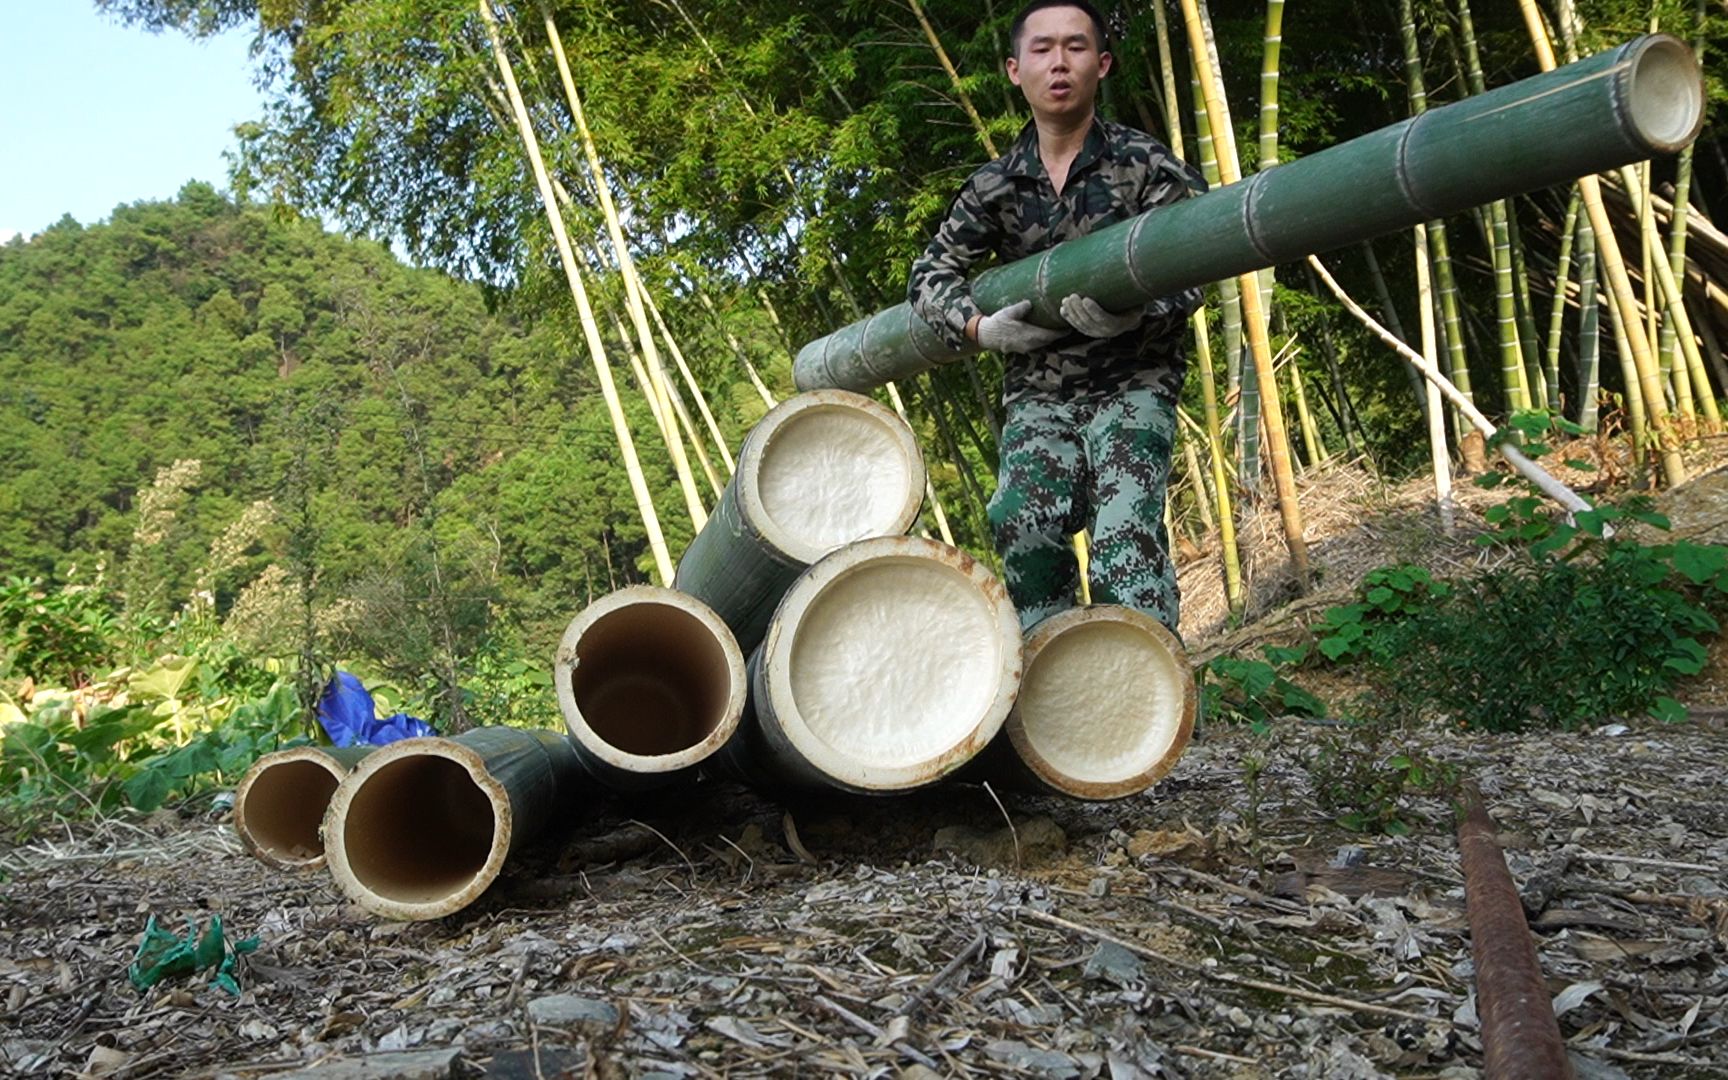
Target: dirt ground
1221	925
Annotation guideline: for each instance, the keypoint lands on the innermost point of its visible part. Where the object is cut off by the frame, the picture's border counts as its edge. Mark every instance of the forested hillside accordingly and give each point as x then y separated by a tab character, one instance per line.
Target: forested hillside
188	367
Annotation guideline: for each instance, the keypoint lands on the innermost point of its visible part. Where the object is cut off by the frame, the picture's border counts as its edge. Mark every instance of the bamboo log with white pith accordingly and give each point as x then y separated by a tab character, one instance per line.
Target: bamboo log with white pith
651	684
1106	706
889	664
821	470
282	798
421	827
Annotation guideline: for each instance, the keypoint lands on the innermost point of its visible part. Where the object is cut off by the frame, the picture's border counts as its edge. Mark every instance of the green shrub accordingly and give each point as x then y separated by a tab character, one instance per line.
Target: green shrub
57	635
1581	625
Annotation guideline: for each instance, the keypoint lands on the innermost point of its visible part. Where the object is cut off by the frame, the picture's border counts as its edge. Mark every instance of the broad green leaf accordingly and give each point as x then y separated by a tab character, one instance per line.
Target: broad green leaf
148	788
166	678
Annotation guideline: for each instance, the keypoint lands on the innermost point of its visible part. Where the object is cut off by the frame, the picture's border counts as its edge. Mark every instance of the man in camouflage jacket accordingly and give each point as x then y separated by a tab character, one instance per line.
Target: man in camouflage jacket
1091	418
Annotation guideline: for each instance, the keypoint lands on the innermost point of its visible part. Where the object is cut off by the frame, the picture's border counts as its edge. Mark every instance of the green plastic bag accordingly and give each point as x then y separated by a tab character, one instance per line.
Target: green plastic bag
162	954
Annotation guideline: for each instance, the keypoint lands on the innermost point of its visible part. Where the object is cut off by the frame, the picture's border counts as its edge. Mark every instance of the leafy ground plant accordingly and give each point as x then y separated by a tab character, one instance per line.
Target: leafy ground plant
1583	625
1255	692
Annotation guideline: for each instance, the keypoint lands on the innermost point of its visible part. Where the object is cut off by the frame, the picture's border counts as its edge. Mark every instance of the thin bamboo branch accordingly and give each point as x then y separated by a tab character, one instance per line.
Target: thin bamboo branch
1533	472
572	274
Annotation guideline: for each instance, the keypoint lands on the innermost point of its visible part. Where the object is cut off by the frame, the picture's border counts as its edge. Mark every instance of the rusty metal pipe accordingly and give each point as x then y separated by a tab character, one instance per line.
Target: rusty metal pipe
651	684
421	827
281	801
1520	1037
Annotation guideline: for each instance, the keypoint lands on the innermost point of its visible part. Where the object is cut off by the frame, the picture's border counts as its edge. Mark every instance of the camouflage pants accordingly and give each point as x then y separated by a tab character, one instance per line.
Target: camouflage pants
1098	463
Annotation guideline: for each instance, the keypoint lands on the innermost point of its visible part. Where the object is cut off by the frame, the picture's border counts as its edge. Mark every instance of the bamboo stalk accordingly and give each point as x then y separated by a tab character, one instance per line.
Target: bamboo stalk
1283	477
1557	317
1691	368
280	802
1228	553
1437	455
1219	488
1625	303
572	275
960	93
633	288
1589	331
737	347
690	380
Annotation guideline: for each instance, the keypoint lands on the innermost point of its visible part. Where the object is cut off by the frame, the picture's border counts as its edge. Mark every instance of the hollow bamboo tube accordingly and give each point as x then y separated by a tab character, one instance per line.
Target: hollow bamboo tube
651	683
1643	98
819	471
889	664
281	801
1105	709
421	827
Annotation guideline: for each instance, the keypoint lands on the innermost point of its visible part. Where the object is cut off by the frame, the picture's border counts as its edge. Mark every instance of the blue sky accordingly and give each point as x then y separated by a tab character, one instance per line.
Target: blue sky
94	114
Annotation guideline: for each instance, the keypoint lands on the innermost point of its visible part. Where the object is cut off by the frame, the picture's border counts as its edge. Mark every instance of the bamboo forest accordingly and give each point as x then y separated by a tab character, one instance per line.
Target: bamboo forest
511	579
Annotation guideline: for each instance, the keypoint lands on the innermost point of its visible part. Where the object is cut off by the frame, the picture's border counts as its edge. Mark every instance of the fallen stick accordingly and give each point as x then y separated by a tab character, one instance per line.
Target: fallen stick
1229	979
1636	860
916	1001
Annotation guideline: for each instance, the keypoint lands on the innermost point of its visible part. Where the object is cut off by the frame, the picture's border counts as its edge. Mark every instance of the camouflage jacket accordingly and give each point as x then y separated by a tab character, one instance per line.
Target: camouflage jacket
1009	209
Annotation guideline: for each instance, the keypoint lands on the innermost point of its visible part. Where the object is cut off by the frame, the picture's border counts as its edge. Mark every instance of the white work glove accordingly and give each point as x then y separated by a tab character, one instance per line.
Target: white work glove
1008	331
1089	317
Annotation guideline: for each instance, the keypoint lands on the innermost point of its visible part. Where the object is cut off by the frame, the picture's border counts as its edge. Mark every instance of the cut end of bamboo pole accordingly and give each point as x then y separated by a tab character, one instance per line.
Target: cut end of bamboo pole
830	467
281	802
1107	705
890	664
1665	93
651	683
418	830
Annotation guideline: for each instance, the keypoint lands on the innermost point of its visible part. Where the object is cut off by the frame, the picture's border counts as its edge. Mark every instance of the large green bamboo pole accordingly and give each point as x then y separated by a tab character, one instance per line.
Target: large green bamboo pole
1641	98
585	312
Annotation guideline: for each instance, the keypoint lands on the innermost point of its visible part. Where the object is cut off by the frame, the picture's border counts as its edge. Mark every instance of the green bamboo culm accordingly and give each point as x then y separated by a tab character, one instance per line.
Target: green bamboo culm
1557	317
1589	326
1217	456
1514	387
1527	336
1247	393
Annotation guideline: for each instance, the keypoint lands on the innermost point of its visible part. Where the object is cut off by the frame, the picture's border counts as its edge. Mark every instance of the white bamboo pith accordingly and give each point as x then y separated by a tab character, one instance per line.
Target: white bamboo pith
281	800
651	684
889	664
1107	704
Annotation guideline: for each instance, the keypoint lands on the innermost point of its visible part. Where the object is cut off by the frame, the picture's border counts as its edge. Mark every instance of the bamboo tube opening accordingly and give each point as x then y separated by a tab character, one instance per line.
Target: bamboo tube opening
1665	93
419	830
281	801
650	680
890	664
833	467
1107	704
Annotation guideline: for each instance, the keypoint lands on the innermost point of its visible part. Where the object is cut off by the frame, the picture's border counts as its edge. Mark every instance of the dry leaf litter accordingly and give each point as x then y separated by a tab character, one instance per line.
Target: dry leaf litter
720	933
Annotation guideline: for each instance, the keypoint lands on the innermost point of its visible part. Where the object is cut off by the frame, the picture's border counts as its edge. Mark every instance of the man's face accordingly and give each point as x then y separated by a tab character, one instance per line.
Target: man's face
1058	65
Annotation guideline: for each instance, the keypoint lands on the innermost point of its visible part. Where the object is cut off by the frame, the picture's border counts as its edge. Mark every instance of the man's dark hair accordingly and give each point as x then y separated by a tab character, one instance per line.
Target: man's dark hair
1018	26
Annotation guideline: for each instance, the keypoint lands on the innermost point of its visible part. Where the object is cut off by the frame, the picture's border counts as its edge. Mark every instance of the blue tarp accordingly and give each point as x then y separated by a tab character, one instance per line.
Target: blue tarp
349	717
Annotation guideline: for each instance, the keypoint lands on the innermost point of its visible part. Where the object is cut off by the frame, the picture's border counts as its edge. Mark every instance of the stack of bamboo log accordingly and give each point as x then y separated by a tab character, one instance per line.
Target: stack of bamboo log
808	641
